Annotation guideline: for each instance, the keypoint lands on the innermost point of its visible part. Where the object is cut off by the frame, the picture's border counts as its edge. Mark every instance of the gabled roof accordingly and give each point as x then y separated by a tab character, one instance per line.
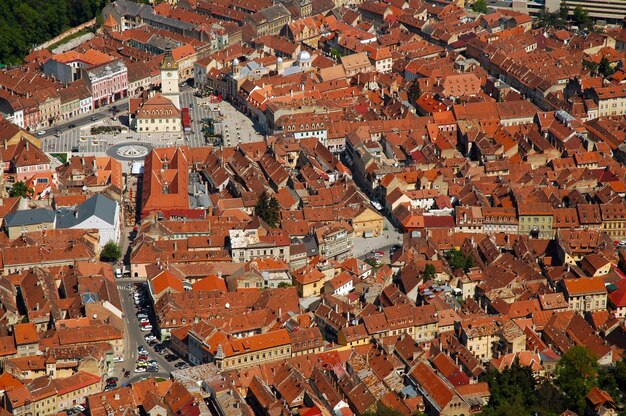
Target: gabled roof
166	280
25	333
29	217
99	206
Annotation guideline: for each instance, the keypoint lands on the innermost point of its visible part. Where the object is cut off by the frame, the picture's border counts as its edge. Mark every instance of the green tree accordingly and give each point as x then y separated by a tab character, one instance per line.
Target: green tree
458	260
335	53
99	21
564	11
268	209
110	252
21	189
515	391
414	92
581	16
613	380
283	285
429	272
25	23
576	373
593	67
480	6
605	67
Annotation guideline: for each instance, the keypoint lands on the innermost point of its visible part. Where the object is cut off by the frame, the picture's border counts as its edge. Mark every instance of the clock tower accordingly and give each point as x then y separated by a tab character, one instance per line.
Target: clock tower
169	79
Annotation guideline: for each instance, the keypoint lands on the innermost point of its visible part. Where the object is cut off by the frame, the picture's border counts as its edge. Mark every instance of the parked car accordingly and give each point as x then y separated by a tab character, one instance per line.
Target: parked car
142	315
144	320
149	337
141	348
171	357
140	370
146	328
111	380
181	364
41	132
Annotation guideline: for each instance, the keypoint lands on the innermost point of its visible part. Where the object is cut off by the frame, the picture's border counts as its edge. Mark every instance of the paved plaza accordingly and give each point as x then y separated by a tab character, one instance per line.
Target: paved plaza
77	139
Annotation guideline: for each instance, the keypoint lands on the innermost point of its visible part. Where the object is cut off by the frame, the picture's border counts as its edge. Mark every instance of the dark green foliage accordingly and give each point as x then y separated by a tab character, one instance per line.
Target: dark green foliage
576	374
605	67
516	392
480	6
458	260
581	16
593	67
283	285
26	23
546	19
613	380
268	209
21	189
429	272
110	252
414	92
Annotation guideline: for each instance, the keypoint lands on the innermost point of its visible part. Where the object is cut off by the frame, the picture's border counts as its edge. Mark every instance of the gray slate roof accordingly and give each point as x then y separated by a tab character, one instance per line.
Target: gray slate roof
29	217
98	205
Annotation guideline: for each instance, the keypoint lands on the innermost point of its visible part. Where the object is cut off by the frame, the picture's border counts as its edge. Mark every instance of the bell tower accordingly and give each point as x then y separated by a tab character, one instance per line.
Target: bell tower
169	79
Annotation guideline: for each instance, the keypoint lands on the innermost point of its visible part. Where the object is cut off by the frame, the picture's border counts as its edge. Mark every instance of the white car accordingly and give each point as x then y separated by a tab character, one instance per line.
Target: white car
41	132
150	337
140	370
144	320
146	328
142	315
79	408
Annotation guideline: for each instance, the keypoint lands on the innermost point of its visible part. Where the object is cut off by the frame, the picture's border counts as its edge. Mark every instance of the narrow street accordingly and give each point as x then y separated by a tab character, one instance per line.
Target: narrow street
133	337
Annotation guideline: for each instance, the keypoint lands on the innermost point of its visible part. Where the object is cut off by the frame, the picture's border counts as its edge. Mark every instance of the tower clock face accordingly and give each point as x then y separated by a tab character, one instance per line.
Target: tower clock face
169	74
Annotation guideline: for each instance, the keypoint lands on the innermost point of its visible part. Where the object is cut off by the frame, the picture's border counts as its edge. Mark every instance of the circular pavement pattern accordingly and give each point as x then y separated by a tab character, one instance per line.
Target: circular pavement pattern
129	151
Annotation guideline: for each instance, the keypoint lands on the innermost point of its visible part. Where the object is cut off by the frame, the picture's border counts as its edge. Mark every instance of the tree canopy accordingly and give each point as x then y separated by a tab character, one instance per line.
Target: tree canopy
458	260
581	17
576	374
268	209
429	271
26	23
480	6
515	391
21	189
110	252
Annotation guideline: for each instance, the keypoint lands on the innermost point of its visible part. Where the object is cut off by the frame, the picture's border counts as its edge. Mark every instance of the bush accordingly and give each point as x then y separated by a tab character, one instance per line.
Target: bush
480	6
111	252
